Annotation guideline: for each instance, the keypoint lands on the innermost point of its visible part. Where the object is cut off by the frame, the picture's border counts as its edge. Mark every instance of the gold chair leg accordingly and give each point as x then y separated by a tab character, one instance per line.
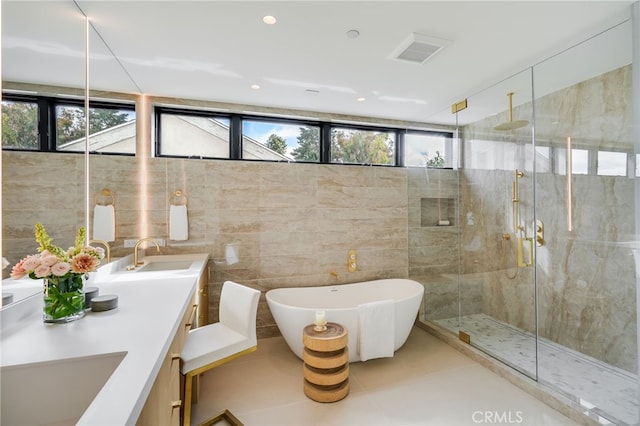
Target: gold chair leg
188	390
225	415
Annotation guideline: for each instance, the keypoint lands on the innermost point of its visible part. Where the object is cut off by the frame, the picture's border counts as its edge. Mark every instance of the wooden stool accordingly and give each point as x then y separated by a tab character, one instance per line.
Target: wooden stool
326	363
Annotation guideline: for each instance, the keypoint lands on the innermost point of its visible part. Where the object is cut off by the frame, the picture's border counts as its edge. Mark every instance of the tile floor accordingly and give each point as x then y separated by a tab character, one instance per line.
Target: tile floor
606	390
427	382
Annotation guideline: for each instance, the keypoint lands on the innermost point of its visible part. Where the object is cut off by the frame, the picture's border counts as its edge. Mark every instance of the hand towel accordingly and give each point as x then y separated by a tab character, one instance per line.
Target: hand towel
178	223
376	337
104	223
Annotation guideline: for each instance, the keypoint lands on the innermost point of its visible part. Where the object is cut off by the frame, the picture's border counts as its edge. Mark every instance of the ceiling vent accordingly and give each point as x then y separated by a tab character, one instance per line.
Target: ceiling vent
417	48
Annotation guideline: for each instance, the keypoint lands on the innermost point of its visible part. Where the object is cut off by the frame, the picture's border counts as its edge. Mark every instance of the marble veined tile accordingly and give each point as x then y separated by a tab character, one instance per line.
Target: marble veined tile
607	391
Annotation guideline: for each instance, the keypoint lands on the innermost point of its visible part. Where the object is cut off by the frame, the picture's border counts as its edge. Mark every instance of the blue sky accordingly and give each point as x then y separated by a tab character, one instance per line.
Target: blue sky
261	131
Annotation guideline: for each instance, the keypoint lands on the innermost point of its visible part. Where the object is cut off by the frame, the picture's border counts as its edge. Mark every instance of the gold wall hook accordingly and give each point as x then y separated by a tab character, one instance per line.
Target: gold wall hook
106	197
178	198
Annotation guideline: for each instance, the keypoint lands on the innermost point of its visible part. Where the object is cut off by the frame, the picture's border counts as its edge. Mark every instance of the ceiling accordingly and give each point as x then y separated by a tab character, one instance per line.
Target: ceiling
216	50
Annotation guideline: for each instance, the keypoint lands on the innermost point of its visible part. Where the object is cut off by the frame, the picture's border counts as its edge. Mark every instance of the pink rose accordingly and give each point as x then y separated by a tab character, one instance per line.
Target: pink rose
83	263
18	270
30	263
42	271
49	260
60	268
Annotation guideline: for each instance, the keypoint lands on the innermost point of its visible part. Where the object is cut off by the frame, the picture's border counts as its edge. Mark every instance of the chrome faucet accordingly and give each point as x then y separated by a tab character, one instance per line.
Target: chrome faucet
135	249
106	246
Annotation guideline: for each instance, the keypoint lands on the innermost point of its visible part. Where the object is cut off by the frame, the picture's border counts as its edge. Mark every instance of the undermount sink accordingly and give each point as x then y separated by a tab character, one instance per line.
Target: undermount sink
56	392
152	267
165	266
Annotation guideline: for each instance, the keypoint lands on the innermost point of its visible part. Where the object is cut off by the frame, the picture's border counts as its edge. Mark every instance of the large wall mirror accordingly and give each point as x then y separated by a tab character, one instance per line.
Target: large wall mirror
44	55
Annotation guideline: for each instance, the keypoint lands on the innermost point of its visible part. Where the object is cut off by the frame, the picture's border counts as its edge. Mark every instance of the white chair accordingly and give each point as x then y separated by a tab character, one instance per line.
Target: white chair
214	344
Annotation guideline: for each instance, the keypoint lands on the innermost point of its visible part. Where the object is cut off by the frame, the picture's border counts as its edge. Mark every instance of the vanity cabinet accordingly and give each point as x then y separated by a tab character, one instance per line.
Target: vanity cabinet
164	402
163	405
203	298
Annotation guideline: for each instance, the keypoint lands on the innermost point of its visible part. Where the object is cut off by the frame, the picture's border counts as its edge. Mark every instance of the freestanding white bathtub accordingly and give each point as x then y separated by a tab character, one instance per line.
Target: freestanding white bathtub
294	308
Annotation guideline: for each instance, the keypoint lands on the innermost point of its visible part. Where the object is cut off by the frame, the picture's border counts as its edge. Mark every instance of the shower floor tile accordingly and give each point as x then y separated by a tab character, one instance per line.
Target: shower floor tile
608	391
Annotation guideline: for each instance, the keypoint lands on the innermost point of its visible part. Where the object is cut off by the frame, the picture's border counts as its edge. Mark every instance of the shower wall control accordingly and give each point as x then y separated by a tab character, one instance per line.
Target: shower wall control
352	261
525	252
539	233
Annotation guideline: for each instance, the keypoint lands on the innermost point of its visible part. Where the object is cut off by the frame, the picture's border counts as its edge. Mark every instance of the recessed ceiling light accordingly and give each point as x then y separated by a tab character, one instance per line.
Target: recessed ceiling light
353	33
269	20
255	86
361	99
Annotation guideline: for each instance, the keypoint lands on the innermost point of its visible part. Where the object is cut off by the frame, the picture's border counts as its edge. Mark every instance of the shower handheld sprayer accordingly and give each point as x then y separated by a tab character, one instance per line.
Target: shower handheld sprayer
515	199
523	245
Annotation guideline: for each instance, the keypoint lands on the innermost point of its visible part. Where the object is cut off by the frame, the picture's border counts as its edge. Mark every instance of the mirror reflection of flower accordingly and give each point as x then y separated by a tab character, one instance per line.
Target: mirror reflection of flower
54	262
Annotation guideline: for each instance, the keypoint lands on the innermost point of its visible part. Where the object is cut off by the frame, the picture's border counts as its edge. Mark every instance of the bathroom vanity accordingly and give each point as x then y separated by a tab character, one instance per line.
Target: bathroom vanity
114	367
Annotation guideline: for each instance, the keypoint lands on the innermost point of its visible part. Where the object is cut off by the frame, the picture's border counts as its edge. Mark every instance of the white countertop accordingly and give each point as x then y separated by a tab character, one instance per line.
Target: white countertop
143	325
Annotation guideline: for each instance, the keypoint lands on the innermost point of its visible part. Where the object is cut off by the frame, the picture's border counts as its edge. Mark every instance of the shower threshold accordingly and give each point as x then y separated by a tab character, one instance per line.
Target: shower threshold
607	391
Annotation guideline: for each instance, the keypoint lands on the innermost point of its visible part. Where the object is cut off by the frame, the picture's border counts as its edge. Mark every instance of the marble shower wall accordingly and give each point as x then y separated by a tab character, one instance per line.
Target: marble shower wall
433	248
586	278
293	223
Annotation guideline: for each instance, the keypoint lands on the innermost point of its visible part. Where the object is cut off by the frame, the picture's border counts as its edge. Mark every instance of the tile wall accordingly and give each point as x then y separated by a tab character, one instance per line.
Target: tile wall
293	223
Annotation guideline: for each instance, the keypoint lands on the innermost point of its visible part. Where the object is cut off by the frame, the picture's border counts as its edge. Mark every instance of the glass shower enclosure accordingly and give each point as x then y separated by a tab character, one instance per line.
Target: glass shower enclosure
544	205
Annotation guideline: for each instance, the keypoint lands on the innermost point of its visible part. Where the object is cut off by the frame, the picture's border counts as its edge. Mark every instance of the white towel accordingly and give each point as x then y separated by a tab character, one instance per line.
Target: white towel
178	223
104	223
376	338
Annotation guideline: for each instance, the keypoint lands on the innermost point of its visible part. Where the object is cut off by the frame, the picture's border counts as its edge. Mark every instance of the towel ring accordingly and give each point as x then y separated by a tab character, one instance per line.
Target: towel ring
178	199
105	194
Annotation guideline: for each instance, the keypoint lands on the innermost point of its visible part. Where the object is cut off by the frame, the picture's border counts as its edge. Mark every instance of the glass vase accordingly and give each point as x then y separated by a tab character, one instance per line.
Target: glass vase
64	298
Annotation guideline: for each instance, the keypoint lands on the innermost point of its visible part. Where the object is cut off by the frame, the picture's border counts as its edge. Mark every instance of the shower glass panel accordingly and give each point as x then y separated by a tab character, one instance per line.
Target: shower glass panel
497	280
546	226
585	266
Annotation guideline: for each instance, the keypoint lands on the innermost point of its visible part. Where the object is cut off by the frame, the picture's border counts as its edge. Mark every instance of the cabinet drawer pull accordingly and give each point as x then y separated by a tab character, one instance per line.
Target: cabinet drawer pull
176	404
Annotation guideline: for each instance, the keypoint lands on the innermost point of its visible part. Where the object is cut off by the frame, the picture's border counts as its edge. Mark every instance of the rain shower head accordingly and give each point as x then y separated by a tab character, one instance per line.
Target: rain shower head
511	125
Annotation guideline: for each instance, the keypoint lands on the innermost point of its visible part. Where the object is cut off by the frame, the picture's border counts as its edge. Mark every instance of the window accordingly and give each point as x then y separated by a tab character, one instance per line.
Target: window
579	161
280	141
194	135
209	134
543	159
111	129
360	146
612	163
20	125
428	149
53	124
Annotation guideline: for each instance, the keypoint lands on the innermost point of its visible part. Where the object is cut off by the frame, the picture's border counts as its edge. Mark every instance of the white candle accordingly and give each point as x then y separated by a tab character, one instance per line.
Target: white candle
320	317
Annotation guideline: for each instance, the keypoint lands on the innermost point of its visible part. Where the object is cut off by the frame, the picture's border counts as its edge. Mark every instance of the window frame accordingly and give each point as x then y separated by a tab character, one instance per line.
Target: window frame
448	147
47	119
285	121
367	128
236	134
157	119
